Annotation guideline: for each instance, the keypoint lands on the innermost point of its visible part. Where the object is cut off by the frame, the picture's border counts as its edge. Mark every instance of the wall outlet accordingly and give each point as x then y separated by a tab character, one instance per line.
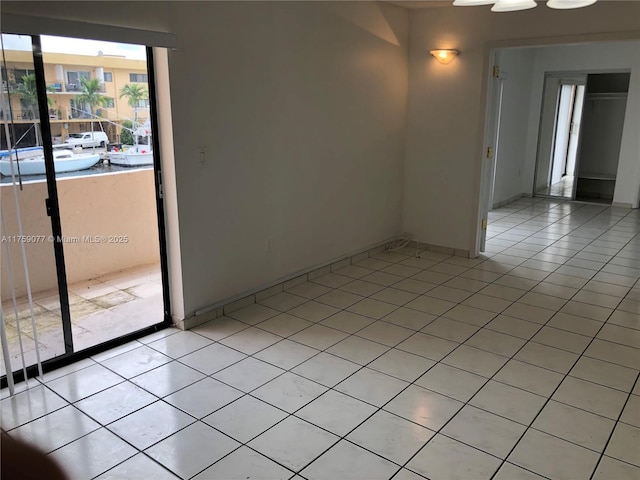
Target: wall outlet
202	156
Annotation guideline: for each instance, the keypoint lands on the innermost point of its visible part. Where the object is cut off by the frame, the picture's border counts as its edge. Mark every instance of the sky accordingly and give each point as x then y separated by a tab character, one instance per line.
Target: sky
74	45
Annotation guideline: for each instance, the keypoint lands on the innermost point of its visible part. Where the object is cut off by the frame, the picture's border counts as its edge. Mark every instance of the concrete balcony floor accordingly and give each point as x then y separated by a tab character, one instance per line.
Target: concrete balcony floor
102	309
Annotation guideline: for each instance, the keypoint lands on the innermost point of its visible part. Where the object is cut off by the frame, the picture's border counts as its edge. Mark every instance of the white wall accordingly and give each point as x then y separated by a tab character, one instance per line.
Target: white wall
301	108
446	108
517	65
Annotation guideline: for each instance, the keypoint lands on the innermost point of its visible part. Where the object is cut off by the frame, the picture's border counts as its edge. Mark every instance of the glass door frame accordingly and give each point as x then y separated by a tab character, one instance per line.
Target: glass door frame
53	211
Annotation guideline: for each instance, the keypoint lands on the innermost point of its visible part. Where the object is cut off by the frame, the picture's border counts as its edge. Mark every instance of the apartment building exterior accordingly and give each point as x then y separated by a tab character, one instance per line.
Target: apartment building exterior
63	73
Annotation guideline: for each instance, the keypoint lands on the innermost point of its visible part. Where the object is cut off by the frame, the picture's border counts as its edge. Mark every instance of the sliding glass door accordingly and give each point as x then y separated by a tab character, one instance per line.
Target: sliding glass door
80	196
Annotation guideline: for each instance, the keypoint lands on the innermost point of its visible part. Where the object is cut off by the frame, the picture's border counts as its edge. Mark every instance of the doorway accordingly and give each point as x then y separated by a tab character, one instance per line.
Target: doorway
560	122
83	251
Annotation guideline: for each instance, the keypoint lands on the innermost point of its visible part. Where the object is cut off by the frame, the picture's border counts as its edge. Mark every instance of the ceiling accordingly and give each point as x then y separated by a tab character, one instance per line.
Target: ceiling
422	3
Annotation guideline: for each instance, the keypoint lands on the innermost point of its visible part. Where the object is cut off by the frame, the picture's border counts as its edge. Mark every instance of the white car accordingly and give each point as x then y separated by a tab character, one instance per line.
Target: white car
87	139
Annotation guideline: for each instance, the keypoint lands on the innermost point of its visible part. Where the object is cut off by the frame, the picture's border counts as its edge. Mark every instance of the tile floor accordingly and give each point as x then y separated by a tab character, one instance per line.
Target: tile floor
563	188
102	308
522	364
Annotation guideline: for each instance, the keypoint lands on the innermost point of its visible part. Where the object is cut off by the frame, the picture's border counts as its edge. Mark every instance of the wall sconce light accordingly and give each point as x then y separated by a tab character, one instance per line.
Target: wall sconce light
445	55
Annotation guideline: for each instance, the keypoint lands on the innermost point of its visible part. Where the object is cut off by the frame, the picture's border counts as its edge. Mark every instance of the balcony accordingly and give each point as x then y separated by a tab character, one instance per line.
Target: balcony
114	289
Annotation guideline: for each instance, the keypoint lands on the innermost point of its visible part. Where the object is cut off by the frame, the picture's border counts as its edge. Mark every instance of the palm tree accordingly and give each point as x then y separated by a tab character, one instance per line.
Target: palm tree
90	94
28	93
134	92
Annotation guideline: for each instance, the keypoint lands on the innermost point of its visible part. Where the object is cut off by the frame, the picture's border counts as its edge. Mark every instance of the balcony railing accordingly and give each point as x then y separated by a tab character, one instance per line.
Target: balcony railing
72	87
19	115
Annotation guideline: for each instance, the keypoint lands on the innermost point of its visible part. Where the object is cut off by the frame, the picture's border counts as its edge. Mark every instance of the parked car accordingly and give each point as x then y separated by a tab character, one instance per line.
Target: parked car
87	139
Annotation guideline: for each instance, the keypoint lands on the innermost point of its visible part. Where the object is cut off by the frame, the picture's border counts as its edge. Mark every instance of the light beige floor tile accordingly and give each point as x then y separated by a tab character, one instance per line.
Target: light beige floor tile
554	359
358	350
213	358
151	424
336	412
138	466
433	306
192	450
414	286
167	379
470	315
552	457
370	386
253	313
616	334
115	402
293	443
203	397
313	311
604	373
452	382
394	296
284	324
553	337
610	468
326	369
509	471
614	353
448	459
339	299
248	374
513	326
309	290
575	324
286	354
100	451
372	308
485	431
424	407
390	436
475	361
450	329
450	294
574	425
319	337
428	346
509	402
55	429
251	340
591	397
347	321
403	365
624	444
349	462
408	318
385	333
245	418
242	464
495	342
289	392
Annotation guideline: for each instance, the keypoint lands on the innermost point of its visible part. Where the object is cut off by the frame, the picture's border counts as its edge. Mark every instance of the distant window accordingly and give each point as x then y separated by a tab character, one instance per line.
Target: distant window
143	103
74	77
138	77
108	77
109	103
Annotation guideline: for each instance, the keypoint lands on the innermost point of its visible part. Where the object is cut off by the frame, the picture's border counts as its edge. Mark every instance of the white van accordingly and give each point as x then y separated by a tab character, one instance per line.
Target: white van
87	139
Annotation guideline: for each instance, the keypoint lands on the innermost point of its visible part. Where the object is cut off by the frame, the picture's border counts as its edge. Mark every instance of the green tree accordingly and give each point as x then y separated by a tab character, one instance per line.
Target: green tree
126	135
29	94
91	95
134	93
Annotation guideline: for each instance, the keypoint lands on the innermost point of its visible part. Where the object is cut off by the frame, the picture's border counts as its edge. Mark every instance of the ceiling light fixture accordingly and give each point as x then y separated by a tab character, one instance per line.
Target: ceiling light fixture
472	3
445	55
515	5
566	4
